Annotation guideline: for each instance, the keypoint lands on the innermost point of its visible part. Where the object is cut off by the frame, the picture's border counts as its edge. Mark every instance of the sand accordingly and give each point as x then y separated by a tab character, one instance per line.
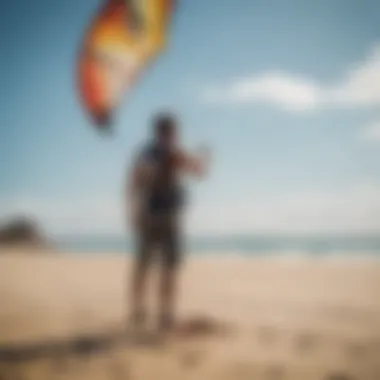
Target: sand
274	318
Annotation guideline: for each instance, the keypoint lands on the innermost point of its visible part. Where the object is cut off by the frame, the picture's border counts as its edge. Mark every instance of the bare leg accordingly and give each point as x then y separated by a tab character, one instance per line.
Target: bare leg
139	280
168	286
168	292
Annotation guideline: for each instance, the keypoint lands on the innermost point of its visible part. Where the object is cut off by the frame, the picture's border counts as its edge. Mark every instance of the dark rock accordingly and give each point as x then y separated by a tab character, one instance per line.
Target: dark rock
21	231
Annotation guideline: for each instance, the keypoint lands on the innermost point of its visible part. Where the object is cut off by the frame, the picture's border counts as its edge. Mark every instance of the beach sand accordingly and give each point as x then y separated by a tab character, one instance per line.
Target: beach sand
240	318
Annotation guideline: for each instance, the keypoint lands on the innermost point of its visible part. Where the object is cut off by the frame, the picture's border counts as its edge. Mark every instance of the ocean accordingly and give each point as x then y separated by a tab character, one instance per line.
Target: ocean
251	245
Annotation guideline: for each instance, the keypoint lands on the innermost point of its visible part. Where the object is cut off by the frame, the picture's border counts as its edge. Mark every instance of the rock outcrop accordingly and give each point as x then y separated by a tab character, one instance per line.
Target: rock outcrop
21	231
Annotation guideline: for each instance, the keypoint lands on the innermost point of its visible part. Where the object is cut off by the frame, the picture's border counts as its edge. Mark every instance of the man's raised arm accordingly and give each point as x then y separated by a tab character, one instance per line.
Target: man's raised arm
196	165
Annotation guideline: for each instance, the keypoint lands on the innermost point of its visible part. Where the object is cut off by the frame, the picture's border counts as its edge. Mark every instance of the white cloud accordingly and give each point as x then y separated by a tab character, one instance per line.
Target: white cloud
360	87
282	90
371	132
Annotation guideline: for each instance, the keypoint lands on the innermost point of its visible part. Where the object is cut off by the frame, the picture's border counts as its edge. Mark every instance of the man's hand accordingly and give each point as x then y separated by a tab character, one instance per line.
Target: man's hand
198	163
204	153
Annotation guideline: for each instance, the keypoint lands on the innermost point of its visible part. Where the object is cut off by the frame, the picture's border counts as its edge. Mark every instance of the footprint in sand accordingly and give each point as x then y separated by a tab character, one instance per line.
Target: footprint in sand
201	326
339	376
356	350
267	335
275	372
61	364
240	371
3	376
11	373
305	343
375	347
189	360
118	370
376	374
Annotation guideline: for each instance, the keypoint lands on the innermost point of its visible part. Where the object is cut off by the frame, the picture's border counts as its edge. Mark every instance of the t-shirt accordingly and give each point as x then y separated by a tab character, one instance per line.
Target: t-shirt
162	191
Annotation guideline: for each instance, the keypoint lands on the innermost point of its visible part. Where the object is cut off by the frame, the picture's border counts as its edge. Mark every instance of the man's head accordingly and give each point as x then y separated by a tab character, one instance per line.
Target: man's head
165	127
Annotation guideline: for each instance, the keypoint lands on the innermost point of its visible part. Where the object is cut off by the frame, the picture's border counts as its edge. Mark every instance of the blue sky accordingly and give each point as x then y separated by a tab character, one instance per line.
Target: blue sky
286	93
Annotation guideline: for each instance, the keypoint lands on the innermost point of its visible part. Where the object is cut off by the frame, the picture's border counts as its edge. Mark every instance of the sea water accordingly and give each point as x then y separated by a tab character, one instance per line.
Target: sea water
358	245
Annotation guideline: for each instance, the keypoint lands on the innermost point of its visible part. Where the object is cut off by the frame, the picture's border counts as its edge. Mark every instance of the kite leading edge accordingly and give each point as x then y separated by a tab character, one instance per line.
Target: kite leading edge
125	37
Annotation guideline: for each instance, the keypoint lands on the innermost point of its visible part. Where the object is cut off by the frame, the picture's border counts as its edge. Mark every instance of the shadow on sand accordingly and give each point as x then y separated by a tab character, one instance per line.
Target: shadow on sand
75	346
83	345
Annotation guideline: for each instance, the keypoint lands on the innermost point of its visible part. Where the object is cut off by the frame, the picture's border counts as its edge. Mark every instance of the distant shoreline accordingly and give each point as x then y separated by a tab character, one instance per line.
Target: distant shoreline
240	245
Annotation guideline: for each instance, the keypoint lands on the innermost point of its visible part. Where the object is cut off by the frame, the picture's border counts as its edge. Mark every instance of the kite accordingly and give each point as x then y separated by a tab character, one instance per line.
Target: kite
124	38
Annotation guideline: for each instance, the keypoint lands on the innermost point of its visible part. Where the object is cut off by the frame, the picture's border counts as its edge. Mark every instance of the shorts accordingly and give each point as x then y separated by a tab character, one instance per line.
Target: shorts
159	238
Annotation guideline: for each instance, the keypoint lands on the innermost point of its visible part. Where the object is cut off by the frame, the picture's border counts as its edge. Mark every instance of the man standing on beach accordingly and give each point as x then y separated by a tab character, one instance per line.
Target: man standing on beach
155	204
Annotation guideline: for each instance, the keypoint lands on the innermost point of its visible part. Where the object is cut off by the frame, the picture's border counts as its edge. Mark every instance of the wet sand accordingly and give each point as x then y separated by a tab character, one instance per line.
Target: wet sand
63	317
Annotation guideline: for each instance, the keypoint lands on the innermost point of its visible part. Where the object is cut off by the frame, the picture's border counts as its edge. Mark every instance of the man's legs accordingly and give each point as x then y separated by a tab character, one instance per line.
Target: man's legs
138	293
140	274
168	285
168	290
164	231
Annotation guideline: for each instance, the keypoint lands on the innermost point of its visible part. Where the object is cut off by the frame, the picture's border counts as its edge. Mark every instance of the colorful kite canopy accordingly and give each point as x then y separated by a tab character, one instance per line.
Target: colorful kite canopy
123	39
